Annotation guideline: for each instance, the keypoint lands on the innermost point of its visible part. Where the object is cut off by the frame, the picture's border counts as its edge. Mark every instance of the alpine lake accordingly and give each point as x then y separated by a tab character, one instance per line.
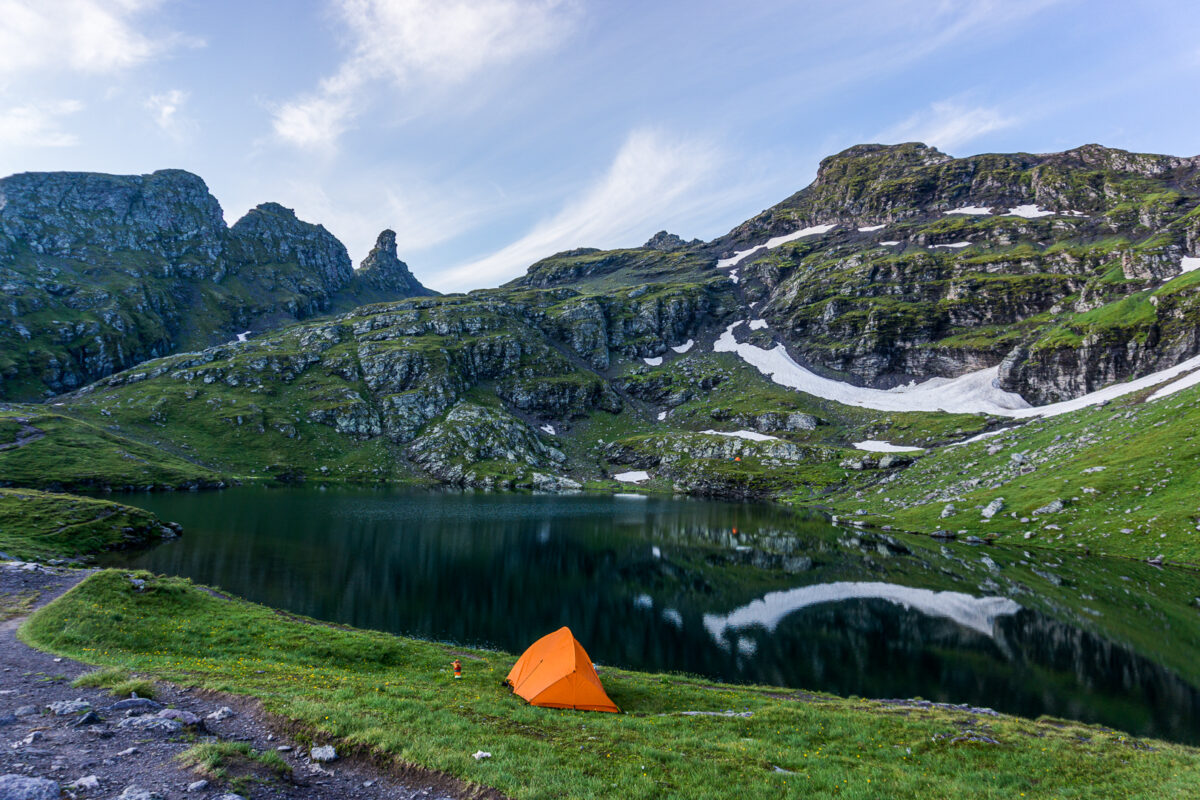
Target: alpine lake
737	592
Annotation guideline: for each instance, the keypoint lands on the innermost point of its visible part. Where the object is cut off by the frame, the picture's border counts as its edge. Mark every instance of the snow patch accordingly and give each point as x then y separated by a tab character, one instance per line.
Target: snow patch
757	324
654	362
888	244
869	228
548	429
1189	263
736	258
753	436
955	245
973	393
683	348
662	415
977	211
877	446
1030	211
1177	386
241	337
976	613
635	476
733	276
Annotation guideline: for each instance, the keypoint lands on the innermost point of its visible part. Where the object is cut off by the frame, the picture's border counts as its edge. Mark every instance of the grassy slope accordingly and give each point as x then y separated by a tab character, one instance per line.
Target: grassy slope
1143	502
77	454
40	525
394	696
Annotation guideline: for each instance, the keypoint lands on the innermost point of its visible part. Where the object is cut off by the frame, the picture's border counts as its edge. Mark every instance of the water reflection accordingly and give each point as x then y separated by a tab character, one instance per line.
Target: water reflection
732	591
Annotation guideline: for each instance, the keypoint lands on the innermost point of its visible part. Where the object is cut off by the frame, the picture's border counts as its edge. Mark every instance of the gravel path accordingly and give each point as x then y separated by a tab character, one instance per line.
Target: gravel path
75	754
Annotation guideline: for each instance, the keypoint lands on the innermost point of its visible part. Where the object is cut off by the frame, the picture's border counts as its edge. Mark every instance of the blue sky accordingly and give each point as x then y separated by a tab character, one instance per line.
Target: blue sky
489	133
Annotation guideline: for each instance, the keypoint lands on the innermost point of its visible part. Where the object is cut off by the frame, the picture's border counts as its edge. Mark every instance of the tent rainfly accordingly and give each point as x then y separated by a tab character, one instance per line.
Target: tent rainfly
555	672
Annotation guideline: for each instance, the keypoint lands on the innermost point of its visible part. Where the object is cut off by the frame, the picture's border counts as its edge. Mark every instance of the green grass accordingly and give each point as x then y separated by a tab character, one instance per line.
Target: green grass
38	525
394	697
118	681
74	454
235	764
1141	502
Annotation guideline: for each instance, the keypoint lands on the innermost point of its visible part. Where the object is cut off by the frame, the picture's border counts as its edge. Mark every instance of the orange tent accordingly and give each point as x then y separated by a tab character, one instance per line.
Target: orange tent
555	672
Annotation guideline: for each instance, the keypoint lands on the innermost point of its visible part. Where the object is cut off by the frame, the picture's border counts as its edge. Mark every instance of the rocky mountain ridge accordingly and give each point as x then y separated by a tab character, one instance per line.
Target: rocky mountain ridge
101	272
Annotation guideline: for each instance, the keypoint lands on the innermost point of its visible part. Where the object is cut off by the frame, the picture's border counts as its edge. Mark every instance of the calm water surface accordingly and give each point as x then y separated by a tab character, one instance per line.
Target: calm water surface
736	592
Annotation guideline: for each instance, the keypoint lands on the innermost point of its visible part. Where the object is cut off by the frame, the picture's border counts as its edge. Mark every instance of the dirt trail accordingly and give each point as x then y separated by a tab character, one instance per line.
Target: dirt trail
27	435
37	743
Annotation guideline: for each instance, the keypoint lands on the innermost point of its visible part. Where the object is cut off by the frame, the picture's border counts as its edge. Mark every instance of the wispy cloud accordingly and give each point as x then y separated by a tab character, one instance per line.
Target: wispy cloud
37	125
95	36
947	124
165	108
653	180
407	42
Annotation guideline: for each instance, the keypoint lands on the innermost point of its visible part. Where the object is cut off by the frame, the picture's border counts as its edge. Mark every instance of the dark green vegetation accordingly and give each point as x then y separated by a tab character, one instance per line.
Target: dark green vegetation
40	525
101	272
393	697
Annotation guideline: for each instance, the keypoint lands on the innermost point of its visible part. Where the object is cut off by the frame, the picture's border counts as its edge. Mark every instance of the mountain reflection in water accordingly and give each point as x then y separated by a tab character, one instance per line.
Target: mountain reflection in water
735	592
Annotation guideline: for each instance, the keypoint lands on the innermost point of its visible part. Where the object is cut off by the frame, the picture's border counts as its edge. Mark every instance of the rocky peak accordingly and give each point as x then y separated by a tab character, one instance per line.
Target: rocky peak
883	160
668	242
169	213
383	270
271	233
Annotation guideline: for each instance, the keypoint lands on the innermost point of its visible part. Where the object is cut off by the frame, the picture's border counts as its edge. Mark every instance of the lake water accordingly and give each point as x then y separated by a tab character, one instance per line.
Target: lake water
736	592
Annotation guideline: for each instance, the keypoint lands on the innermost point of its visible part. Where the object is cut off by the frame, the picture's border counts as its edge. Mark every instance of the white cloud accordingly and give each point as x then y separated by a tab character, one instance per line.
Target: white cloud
406	42
95	36
37	125
165	110
652	181
946	125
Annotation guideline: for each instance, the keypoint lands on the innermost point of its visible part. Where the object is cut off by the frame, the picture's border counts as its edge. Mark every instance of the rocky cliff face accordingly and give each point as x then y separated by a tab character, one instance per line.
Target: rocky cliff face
1065	268
100	272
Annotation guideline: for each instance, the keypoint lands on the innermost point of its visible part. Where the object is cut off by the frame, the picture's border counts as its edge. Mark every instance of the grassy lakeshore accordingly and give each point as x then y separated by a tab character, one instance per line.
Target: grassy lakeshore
394	697
41	525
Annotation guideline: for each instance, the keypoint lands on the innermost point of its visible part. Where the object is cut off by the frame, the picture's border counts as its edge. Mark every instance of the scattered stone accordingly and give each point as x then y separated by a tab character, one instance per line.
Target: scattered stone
62	708
134	792
138	583
993	508
222	713
26	711
86	784
127	752
479	755
33	736
135	703
197	786
1019	458
1156	561
1091	470
323	753
943	534
284	748
151	724
90	718
949	511
229	796
186	717
975	540
1053	507
22	787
